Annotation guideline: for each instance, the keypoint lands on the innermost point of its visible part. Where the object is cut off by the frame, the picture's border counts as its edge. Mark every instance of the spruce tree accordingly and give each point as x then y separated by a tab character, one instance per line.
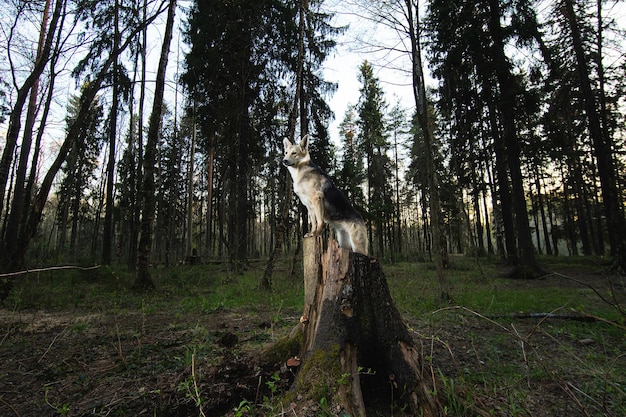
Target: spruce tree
374	145
78	171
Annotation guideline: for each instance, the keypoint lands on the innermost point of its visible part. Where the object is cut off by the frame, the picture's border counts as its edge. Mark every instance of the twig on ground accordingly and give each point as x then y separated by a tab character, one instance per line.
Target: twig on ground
10	406
195	385
118	348
52	343
567	388
522	342
615	302
573	317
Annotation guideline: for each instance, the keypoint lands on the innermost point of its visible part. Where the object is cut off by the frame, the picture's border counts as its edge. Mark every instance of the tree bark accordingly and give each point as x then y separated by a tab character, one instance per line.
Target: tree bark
15	217
143	280
191	254
137	176
210	238
357	352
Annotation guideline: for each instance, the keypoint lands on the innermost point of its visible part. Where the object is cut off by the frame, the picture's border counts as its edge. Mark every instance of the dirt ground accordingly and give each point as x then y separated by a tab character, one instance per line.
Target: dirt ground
134	363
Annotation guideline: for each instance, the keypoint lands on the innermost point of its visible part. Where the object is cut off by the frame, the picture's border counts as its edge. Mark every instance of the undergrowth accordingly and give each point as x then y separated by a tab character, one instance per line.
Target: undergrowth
553	346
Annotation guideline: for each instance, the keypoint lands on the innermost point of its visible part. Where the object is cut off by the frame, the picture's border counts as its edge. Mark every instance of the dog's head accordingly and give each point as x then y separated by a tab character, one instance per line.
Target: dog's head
295	154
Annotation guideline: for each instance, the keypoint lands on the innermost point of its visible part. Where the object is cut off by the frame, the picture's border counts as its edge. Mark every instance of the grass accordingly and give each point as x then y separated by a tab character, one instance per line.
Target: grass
190	289
478	287
505	358
481	355
208	288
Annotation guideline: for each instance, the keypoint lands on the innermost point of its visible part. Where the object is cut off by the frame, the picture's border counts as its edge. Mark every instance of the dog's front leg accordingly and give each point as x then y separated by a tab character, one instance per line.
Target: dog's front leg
318	214
311	217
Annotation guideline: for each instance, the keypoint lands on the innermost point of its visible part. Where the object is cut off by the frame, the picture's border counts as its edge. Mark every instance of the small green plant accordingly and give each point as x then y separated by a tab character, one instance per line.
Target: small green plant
60	409
272	384
190	387
514	408
368	371
324	410
243	408
344	379
80	327
454	404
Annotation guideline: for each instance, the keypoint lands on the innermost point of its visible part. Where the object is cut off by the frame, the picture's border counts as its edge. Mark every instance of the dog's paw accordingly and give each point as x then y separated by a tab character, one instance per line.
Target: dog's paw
318	231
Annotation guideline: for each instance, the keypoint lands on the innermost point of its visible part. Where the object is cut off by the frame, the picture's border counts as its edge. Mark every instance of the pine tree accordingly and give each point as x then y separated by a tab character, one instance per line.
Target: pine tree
244	69
227	73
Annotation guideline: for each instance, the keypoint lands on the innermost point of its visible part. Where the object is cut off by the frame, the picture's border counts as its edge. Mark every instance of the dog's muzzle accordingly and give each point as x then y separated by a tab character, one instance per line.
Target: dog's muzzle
287	163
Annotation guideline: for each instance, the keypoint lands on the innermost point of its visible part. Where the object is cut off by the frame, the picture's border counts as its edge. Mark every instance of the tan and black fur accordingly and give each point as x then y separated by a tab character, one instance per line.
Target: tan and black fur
324	201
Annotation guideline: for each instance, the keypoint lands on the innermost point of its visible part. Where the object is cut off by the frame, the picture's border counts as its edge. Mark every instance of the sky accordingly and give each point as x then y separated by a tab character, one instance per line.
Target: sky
342	67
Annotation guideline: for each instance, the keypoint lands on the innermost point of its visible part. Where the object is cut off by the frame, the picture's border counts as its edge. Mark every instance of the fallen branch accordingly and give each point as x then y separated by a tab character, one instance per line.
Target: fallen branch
50	268
587	318
573	317
614	305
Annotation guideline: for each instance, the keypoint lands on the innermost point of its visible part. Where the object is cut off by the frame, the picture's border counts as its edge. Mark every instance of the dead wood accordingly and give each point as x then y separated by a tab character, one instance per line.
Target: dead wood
357	352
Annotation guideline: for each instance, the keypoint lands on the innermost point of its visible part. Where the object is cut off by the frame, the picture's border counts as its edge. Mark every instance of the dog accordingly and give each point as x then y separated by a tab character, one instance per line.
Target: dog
323	201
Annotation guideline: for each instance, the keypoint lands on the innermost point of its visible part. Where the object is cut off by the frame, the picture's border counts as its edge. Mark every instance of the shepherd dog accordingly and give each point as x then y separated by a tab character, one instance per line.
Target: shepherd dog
324	202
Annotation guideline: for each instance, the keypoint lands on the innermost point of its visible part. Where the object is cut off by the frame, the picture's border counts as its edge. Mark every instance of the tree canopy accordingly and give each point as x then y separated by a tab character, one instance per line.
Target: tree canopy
514	148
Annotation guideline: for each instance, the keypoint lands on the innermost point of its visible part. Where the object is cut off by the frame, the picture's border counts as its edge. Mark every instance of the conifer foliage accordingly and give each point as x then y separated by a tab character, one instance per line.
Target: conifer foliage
515	147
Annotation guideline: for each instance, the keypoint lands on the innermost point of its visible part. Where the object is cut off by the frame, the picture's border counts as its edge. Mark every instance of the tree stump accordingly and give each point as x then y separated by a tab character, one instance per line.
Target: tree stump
357	353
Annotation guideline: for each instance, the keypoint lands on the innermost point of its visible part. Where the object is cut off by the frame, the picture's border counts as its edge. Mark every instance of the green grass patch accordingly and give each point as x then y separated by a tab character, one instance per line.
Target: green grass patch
479	285
187	289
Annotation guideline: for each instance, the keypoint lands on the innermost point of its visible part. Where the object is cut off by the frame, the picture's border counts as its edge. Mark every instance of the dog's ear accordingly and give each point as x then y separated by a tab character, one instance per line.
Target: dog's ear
304	142
286	143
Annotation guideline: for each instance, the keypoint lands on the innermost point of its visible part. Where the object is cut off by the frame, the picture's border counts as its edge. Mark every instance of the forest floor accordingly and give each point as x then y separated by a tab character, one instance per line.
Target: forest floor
82	344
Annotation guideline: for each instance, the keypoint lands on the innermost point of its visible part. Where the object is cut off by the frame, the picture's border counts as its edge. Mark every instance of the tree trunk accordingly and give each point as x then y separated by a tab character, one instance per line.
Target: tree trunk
478	221
241	208
15	217
357	352
15	118
616	224
280	232
439	251
527	262
143	280
191	254
210	238
138	171
542	209
23	185
107	229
